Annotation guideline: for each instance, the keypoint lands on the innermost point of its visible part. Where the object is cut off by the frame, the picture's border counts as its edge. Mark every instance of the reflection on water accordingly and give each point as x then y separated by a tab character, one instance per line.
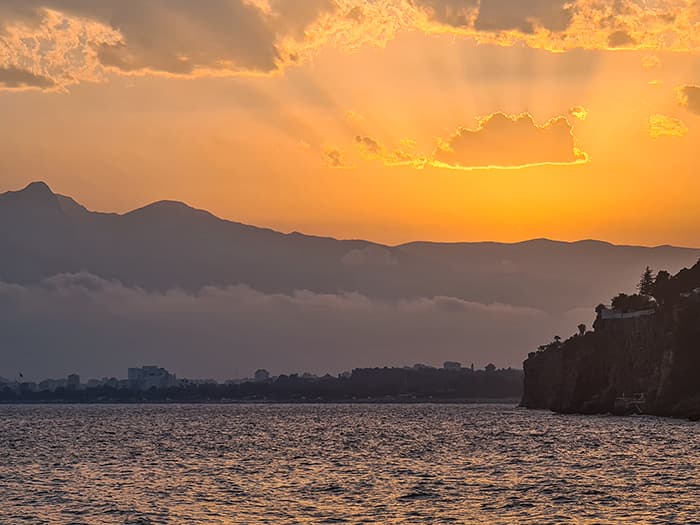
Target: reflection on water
342	464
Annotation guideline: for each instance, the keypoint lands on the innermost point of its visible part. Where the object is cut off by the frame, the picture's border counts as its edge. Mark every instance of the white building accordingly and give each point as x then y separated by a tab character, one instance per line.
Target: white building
148	377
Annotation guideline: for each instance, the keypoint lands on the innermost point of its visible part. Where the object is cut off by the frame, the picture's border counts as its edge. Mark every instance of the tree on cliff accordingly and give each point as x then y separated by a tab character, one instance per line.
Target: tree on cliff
646	282
630	303
662	285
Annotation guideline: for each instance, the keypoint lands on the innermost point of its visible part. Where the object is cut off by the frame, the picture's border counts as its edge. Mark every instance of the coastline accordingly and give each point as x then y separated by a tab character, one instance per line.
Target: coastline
370	401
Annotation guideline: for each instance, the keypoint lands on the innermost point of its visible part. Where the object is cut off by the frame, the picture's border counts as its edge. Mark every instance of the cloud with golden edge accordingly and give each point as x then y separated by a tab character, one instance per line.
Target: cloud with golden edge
372	149
499	141
579	112
353	116
689	97
562	25
665	126
509	142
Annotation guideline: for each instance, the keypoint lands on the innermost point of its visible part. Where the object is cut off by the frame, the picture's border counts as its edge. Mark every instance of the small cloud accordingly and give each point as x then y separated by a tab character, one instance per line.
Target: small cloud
353	116
579	112
689	98
372	149
651	61
369	144
334	158
665	126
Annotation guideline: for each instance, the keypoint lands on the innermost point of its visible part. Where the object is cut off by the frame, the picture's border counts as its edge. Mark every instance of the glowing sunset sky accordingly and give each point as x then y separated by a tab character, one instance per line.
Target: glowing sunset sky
390	120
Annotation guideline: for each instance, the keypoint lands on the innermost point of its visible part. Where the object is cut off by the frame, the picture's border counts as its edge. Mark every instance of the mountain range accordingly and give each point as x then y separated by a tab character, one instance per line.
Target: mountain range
169	248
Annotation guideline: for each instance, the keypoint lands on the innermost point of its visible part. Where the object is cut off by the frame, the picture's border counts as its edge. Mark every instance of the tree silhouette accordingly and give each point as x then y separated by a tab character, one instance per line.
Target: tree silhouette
582	329
646	282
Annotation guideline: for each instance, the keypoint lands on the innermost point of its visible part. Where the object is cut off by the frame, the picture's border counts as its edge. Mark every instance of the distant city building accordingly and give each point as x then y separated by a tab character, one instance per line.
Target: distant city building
148	377
51	385
262	375
73	381
27	386
452	365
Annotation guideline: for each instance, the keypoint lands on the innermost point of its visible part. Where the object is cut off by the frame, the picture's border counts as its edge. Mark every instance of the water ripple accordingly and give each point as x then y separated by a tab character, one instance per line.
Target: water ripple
302	464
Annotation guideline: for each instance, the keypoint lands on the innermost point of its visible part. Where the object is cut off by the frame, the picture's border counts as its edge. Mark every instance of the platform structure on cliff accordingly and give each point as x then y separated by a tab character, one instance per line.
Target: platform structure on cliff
630	404
607	314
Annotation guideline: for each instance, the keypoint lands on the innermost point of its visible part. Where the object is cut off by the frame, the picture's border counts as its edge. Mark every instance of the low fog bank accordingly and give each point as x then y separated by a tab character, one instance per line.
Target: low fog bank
96	327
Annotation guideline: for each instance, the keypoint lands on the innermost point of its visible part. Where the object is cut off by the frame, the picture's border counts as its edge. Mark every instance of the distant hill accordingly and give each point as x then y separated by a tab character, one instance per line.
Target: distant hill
169	244
171	285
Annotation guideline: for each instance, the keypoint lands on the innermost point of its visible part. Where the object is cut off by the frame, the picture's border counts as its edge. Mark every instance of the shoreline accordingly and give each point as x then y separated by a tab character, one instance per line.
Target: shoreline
426	401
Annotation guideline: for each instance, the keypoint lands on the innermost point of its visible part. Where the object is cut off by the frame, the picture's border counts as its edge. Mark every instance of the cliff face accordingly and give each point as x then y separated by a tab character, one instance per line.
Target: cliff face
653	353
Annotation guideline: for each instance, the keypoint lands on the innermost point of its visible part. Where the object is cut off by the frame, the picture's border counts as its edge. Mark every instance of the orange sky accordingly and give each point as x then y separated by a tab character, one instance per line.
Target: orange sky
391	120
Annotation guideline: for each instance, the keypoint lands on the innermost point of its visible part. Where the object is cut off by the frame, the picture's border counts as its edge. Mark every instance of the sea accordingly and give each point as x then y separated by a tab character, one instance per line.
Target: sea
362	463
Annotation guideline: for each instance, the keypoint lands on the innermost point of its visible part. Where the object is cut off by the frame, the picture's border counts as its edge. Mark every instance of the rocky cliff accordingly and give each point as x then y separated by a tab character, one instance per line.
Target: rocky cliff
649	355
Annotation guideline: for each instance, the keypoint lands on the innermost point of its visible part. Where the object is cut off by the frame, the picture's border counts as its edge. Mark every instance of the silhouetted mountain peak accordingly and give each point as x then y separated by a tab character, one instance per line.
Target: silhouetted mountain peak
37	188
35	196
169	211
34	191
163	207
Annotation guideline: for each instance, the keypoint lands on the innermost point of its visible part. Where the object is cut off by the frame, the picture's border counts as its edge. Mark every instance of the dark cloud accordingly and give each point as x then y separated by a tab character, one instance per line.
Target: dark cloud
456	13
98	327
620	39
509	141
500	15
293	17
15	78
523	15
689	97
181	36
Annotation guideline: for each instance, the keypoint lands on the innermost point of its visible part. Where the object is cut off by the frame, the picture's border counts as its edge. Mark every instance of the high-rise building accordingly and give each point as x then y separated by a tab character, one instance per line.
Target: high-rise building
148	377
73	381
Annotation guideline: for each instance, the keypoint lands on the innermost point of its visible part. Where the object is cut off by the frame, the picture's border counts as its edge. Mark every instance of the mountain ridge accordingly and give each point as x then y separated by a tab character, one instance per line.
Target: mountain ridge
169	205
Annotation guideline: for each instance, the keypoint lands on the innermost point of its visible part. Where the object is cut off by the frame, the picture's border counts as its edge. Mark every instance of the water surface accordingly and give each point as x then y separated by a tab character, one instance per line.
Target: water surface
231	464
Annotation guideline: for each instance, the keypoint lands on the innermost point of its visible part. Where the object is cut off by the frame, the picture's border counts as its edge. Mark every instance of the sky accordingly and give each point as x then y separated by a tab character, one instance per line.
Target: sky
389	120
